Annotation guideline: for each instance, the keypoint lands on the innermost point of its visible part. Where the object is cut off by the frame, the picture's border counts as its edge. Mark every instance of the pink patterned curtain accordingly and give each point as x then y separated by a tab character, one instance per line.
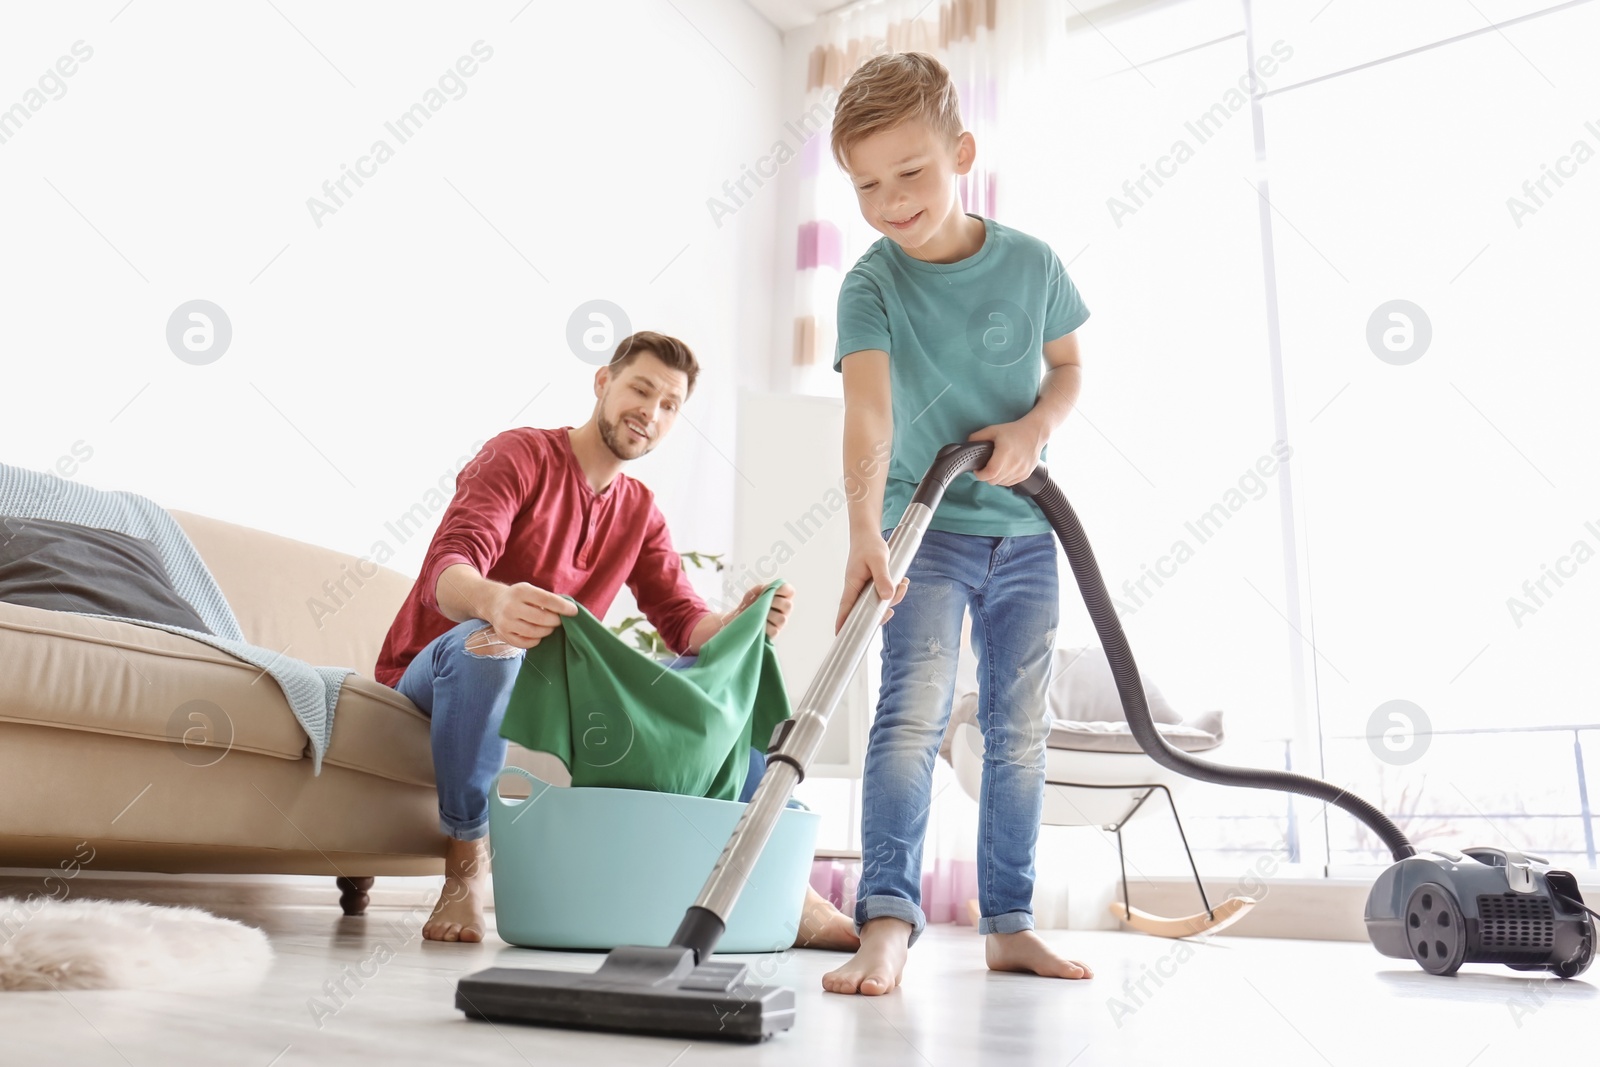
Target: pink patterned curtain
965	35
947	885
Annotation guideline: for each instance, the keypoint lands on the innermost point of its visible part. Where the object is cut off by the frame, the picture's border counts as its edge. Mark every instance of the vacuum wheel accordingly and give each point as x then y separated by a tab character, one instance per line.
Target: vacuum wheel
1436	929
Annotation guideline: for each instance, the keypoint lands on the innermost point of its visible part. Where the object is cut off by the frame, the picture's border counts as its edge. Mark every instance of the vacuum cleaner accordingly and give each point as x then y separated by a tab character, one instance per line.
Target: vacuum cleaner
1440	908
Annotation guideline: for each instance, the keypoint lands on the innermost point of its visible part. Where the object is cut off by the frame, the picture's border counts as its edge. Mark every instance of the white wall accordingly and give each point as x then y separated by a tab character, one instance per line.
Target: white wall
428	312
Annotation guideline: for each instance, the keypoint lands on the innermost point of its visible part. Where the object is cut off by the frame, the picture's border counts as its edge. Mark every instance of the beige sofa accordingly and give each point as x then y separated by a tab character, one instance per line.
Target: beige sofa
165	754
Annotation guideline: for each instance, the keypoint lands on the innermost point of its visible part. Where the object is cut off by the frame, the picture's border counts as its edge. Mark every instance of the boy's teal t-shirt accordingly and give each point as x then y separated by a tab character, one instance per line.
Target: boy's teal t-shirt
965	343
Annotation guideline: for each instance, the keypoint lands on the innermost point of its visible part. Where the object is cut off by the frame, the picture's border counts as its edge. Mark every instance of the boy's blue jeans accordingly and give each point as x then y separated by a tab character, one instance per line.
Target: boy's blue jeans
464	694
1010	585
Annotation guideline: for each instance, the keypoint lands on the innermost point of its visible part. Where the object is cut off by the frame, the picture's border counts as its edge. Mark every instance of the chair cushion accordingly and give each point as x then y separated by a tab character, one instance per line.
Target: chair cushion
1199	734
1083	689
1087	711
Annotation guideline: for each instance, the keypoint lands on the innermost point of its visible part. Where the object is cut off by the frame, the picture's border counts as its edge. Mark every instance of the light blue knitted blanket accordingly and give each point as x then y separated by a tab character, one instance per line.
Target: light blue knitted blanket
312	692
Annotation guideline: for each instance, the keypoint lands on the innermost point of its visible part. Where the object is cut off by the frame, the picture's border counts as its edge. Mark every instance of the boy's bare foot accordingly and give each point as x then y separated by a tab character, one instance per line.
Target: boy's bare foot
876	967
458	916
1026	952
824	926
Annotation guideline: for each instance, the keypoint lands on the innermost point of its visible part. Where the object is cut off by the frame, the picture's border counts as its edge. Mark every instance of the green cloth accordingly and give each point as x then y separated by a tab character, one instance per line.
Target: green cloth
618	718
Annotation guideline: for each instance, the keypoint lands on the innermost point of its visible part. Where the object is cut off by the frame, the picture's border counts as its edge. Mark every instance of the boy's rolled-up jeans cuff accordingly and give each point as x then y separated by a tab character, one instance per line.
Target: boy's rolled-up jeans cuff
1012	922
464	833
882	905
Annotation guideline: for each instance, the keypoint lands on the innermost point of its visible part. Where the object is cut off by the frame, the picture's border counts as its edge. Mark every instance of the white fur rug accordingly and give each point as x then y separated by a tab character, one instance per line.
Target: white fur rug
123	944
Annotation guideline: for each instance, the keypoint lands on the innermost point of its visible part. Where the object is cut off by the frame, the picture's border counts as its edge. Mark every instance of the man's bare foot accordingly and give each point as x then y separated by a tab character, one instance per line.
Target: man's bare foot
876	967
458	916
824	926
1026	952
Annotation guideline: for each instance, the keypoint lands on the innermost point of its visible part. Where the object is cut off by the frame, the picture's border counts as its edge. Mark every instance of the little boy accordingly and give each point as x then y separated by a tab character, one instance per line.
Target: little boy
941	329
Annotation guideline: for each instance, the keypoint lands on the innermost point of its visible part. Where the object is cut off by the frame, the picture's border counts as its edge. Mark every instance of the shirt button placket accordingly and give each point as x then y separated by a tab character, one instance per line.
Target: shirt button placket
585	538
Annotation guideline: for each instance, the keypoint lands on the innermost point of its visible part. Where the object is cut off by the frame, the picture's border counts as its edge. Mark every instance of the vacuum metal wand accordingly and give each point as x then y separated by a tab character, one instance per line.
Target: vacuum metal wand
794	746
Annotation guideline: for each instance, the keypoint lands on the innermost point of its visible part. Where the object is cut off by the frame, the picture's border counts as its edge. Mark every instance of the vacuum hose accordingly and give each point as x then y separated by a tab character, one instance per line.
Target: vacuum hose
956	459
796	741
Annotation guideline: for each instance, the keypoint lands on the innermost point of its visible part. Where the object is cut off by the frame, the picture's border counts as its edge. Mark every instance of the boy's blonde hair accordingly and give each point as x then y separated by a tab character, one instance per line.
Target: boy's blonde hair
889	90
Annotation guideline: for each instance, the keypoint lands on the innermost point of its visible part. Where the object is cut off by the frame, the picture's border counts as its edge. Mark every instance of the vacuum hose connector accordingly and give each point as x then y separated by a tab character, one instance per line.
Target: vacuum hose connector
956	459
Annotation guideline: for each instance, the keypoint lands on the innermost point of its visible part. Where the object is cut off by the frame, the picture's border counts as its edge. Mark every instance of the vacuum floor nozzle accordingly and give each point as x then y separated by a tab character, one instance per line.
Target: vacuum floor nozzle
639	990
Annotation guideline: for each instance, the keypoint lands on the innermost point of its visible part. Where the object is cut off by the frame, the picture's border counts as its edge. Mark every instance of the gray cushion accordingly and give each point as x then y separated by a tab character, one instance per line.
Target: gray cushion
1087	710
62	566
1083	689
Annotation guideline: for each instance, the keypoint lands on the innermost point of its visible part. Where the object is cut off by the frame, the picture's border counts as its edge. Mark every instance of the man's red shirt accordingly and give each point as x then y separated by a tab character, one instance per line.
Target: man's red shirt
524	512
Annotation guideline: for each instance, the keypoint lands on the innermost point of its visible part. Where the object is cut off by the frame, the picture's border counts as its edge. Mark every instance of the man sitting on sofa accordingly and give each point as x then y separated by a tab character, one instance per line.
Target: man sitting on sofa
540	515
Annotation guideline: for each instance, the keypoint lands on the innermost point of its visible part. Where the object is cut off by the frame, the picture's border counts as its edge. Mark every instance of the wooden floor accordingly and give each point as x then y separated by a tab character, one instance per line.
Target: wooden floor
1232	1000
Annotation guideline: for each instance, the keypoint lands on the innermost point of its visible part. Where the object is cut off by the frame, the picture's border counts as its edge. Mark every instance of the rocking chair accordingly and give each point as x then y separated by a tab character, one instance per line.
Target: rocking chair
1096	774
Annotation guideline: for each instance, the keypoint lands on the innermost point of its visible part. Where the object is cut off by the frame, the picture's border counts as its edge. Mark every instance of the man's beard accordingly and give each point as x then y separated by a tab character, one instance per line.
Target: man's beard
618	437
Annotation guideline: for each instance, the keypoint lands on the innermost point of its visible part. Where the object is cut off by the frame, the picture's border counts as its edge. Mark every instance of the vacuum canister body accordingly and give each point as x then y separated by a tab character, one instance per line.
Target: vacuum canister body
1481	905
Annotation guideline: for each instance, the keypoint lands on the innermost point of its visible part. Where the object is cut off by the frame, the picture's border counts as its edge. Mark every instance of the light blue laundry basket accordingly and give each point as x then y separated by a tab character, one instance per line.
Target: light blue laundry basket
593	868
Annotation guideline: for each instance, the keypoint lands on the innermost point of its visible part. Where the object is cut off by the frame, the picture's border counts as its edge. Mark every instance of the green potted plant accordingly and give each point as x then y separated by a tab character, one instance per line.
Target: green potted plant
645	637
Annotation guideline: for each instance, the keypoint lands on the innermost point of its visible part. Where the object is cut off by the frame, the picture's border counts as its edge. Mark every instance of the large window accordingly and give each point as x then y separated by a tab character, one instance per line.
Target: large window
1383	271
1445	446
